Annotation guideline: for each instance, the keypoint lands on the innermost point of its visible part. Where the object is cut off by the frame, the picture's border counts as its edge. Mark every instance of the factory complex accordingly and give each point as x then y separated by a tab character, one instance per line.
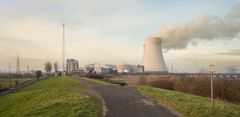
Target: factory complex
152	62
103	69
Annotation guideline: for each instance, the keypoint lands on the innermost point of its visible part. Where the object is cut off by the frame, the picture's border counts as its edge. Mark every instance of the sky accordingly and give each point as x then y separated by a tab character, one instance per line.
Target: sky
108	31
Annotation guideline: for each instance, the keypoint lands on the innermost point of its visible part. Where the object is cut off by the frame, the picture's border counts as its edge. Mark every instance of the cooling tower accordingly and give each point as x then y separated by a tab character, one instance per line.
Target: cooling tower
153	60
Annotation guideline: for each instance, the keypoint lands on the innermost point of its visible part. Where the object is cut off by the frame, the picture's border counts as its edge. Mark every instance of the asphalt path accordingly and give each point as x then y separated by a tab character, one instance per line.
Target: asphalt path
125	101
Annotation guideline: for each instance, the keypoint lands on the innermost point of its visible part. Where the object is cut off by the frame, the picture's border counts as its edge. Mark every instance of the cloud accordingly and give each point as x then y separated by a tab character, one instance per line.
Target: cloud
207	27
231	52
14	40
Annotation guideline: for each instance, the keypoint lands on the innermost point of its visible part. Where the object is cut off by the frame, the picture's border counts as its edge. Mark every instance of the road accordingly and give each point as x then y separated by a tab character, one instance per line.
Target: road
125	101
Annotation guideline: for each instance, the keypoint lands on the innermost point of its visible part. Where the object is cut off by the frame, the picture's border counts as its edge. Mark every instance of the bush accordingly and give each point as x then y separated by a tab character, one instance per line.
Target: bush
196	86
227	89
95	76
224	89
163	83
142	81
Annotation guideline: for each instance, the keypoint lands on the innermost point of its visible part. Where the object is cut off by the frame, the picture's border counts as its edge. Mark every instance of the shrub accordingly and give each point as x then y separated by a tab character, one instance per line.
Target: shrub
142	81
224	89
95	76
163	83
227	89
196	86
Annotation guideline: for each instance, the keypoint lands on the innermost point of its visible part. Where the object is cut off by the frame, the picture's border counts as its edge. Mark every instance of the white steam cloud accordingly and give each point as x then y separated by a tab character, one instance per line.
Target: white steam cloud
207	27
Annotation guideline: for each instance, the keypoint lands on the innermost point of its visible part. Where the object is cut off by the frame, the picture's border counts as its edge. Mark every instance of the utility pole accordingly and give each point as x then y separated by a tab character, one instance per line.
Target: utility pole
18	71
212	69
63	48
9	67
9	71
28	68
18	65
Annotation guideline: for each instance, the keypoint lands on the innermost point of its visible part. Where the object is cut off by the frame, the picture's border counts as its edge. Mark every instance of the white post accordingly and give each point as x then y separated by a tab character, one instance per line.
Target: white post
211	88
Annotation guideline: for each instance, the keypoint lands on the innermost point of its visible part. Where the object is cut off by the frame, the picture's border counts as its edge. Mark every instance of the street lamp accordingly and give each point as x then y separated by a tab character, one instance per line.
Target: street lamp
212	69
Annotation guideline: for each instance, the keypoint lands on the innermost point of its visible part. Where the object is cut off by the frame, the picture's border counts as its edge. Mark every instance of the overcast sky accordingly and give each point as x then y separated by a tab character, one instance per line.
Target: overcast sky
108	31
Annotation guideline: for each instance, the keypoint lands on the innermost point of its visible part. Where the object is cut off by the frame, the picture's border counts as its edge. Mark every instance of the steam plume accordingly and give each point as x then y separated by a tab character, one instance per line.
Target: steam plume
206	27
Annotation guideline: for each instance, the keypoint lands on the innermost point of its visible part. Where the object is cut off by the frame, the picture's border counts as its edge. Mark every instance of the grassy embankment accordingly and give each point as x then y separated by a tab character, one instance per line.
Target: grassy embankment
191	105
57	96
5	83
101	82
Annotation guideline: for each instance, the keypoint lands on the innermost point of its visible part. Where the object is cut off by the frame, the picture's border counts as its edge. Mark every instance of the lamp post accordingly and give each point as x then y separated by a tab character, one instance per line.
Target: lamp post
212	69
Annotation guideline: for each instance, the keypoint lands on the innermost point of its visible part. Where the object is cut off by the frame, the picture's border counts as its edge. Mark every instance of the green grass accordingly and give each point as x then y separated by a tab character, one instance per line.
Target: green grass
5	83
99	82
191	105
59	97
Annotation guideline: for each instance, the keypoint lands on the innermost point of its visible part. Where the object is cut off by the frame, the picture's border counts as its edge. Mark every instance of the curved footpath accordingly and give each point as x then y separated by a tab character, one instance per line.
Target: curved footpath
125	101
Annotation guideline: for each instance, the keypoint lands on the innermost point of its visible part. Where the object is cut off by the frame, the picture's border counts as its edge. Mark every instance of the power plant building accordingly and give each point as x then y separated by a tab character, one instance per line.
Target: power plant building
105	69
153	60
97	68
127	68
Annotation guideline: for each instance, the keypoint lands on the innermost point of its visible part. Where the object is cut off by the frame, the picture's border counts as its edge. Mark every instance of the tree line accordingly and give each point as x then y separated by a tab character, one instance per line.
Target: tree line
48	66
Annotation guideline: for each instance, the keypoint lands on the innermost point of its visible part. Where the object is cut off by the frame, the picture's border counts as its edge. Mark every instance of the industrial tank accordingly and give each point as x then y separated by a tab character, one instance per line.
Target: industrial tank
123	68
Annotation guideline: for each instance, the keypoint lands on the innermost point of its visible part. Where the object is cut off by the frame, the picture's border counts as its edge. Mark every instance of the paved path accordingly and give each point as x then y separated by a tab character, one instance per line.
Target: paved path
126	102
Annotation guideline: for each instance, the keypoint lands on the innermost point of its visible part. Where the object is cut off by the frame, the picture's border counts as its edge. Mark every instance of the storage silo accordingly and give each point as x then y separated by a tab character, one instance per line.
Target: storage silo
153	60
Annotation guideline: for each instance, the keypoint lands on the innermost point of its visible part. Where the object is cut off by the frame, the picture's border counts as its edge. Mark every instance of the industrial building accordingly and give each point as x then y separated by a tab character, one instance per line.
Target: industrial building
97	68
127	68
105	69
89	68
110	69
72	66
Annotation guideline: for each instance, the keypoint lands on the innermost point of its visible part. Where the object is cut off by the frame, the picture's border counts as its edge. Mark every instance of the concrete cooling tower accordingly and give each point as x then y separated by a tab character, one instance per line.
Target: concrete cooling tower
153	60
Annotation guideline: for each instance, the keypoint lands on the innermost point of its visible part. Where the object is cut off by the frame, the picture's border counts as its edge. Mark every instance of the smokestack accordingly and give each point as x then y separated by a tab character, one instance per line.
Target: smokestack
153	60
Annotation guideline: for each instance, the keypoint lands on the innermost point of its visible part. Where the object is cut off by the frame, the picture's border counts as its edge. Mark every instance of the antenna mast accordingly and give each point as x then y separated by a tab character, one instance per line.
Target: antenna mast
63	47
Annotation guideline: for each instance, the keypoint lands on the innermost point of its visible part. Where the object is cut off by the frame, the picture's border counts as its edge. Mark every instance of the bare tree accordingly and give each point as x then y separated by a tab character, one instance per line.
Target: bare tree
38	74
48	67
56	66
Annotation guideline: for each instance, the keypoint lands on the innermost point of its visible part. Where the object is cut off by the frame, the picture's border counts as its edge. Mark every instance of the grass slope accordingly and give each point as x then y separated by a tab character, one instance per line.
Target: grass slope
100	82
5	83
190	105
50	97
